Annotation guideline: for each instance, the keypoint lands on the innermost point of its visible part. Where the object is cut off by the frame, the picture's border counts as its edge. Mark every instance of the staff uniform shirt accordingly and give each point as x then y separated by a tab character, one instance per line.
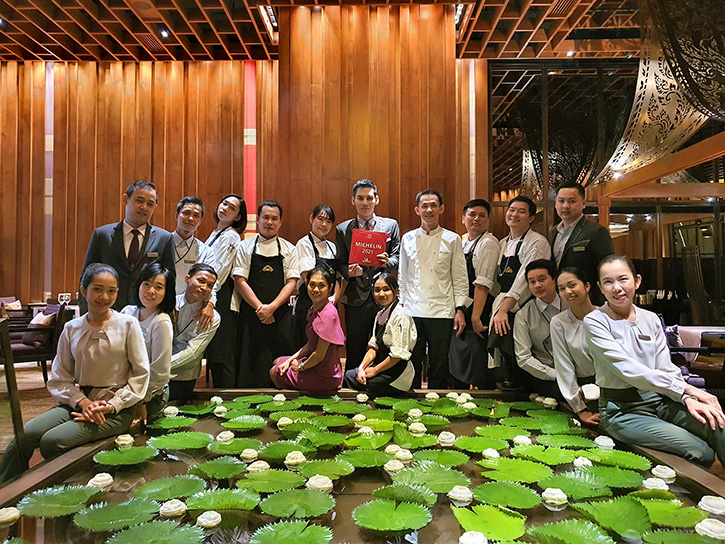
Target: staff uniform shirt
266	248
128	236
158	335
533	247
532	338
485	258
433	278
306	255
225	251
186	254
632	353
111	360
189	342
562	237
572	359
400	334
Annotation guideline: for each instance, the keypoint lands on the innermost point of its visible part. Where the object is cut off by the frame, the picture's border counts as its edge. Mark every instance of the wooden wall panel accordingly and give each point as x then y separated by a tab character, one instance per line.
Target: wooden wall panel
364	92
22	178
177	124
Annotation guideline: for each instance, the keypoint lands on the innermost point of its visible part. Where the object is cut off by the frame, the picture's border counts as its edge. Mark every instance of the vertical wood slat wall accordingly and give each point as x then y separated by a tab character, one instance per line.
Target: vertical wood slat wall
364	92
180	125
22	179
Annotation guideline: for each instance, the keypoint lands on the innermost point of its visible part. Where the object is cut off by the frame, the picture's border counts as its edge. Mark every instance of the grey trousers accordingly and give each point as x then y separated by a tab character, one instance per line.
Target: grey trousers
660	423
55	432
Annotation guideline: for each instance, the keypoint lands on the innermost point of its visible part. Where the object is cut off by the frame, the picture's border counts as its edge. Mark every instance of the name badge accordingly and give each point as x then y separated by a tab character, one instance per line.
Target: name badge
643	337
190	261
579	248
152	255
99	335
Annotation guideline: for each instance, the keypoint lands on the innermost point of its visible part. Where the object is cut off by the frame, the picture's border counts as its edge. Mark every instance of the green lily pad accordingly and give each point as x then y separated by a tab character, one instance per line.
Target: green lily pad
317	401
432	422
435	477
386	401
57	501
271	481
563	426
542	454
294	415
495	411
236	446
514	470
332	420
322	439
671	514
382	414
285	406
450	411
199	409
565	441
507	494
365	458
277	451
220	468
405	439
386	516
166	532
172	422
549	415
380	425
676	537
295	428
110	516
332	468
659	494
345	408
239	412
224	499
245	423
299	532
477	444
528	423
623	459
489	403
405	406
502	432
174	487
418	494
254	399
298	503
570	531
447	458
368	441
128	456
492	521
623	515
181	441
578	485
525	406
615	476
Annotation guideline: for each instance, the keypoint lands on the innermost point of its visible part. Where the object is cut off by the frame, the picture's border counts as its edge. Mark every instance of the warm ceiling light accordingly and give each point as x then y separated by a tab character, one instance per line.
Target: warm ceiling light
269	17
570	53
164	33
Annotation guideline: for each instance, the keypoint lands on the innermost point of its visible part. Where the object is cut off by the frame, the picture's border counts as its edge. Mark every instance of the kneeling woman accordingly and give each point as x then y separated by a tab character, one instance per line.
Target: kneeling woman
316	366
386	369
100	372
644	400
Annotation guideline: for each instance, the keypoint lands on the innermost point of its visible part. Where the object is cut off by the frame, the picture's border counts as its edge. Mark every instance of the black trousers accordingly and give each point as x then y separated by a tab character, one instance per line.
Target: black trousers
220	353
181	390
435	334
377	386
359	324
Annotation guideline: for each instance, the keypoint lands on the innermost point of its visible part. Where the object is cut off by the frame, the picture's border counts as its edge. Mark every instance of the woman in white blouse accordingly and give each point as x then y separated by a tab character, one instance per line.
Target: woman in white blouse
386	369
572	360
100	372
644	399
231	218
153	309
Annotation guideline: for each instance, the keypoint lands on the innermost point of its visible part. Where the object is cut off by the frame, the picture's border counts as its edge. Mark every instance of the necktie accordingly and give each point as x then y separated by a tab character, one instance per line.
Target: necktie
368	225
133	249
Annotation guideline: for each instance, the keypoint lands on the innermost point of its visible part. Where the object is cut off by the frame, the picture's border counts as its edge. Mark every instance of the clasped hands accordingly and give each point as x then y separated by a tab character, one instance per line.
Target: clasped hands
93	411
704	407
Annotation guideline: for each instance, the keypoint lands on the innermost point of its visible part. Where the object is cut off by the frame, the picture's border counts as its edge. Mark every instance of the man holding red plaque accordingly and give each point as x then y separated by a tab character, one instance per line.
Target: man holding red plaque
377	244
433	288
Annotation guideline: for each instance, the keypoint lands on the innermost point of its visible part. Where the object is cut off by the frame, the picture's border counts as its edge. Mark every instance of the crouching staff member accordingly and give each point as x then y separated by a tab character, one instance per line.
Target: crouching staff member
265	275
100	372
386	369
189	340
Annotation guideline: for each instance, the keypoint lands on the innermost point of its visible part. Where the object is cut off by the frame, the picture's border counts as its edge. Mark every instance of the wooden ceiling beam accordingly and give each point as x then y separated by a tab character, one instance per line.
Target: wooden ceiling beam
233	21
183	40
92	9
214	30
33	31
652	189
703	151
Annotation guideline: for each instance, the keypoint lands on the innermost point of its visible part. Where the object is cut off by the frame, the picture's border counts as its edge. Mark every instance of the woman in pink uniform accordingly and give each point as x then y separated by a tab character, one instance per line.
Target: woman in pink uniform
316	366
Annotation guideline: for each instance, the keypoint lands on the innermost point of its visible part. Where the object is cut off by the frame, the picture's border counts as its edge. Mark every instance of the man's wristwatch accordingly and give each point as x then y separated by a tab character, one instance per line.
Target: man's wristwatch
301	366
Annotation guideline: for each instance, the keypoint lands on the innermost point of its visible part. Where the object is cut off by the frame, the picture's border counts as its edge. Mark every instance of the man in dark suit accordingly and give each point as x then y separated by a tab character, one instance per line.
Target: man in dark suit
129	245
360	306
576	241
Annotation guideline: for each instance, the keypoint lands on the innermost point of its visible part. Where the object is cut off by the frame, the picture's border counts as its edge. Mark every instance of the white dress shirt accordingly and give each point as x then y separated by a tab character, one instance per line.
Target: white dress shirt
128	236
572	359
485	258
306	254
225	251
110	359
189	341
433	279
158	334
632	353
562	237
186	254
532	338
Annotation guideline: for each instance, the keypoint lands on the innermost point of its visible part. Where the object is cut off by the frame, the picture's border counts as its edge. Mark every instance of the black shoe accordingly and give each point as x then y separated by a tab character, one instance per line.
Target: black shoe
511	386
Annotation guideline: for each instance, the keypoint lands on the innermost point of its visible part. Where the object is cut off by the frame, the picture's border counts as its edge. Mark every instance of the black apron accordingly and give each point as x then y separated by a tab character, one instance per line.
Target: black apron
264	343
304	303
468	356
508	269
392	373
